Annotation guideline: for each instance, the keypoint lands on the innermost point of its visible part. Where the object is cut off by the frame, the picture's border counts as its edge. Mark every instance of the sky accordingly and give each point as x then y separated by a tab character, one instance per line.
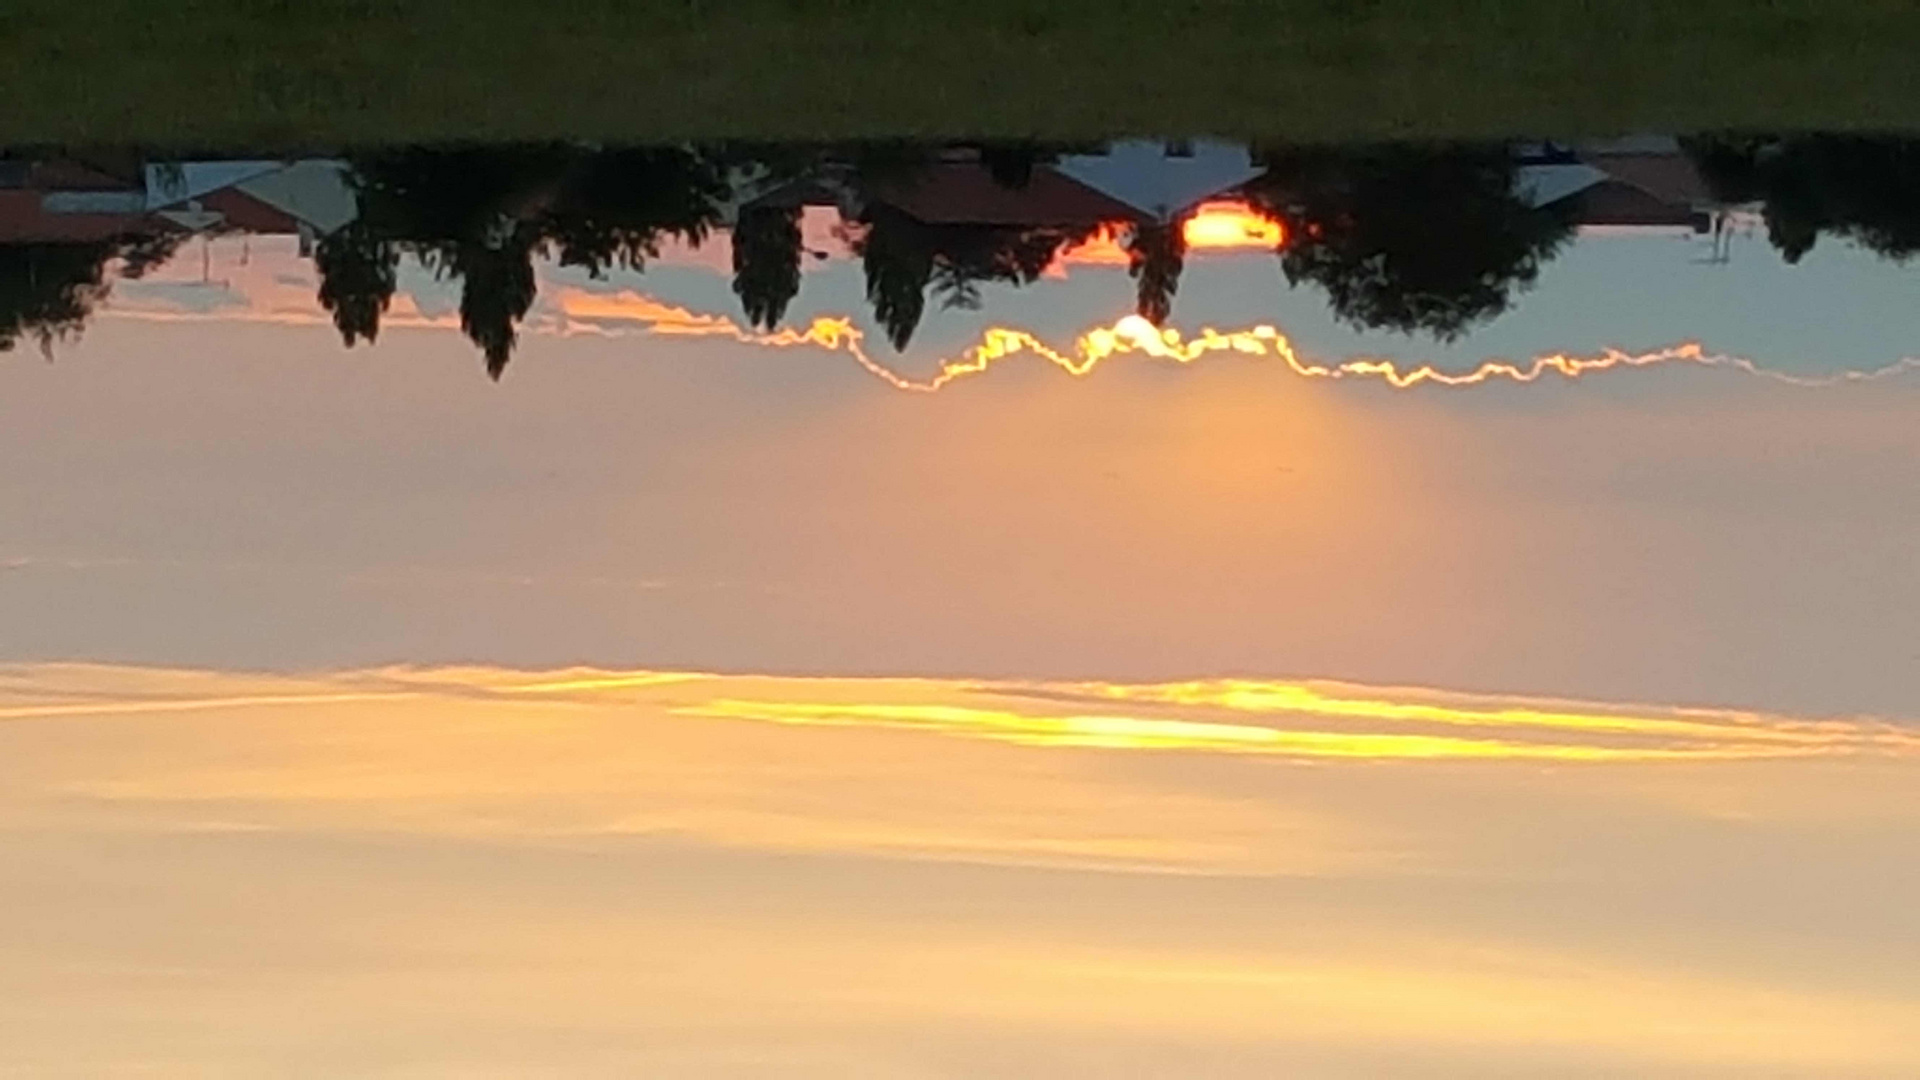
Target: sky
700	707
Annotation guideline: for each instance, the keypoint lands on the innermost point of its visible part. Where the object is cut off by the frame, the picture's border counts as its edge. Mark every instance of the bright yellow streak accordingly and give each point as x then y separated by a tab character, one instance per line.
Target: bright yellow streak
1324	699
1135	335
1136	733
1300	718
610	682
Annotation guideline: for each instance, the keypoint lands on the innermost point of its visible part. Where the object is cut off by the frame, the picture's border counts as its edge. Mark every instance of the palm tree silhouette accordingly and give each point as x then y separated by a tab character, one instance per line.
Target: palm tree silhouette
766	262
481	215
897	257
1156	254
358	272
497	288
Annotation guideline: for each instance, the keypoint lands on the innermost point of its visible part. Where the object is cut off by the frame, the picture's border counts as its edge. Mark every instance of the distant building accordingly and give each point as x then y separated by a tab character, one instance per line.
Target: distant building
1642	182
69	201
63	201
1130	181
308	198
966	193
1163	180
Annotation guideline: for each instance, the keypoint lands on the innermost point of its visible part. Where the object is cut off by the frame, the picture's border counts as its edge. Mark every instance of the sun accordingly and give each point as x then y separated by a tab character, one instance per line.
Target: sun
1232	225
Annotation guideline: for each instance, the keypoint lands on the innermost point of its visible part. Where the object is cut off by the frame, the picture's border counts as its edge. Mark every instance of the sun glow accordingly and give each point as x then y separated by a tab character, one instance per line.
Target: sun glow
1219	225
588	312
571	309
1303	719
1213	226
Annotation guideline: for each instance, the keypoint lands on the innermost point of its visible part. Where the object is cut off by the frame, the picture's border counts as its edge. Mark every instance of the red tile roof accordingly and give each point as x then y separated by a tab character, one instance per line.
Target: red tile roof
963	193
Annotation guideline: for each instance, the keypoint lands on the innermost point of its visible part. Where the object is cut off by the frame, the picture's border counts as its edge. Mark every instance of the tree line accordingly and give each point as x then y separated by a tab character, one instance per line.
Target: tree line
1429	239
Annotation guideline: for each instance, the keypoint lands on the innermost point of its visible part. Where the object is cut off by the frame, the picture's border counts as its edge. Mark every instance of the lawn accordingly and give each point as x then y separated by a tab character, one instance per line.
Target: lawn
302	73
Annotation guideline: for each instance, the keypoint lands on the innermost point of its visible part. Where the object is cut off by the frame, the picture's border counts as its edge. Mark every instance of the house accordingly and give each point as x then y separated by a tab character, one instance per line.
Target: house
1640	182
62	201
308	198
1130	181
1163	180
68	201
966	193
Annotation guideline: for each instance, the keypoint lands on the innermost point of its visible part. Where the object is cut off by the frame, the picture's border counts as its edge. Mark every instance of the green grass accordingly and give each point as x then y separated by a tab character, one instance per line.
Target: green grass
319	72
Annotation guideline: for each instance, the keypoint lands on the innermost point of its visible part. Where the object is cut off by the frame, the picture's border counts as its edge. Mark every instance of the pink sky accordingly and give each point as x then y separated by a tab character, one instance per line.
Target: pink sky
686	706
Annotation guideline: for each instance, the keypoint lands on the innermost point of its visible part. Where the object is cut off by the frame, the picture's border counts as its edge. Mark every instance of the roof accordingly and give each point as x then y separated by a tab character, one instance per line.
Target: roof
1670	178
60	174
1643	182
175	182
24	219
315	192
278	195
1614	202
240	210
1545	184
1163	180
965	193
66	201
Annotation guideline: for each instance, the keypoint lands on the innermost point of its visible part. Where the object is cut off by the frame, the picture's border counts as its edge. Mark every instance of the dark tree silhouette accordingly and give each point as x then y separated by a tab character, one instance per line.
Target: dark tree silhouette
463	212
905	259
615	206
1415	239
966	257
139	254
480	216
48	290
766	262
1863	188
357	279
427	196
497	288
1156	254
897	255
1011	164
1410	238
885	162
